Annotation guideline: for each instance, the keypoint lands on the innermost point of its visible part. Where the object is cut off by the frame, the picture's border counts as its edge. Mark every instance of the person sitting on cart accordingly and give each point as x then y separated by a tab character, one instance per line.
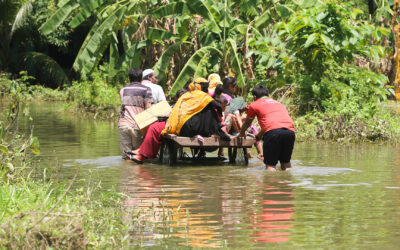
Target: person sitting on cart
195	113
153	140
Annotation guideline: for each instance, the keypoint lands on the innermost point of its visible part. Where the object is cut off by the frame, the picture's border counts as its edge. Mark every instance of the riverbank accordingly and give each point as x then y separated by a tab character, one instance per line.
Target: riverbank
348	122
41	209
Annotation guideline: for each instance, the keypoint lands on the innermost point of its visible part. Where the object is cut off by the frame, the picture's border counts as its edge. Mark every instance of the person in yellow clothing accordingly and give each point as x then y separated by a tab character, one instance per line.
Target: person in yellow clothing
195	113
214	79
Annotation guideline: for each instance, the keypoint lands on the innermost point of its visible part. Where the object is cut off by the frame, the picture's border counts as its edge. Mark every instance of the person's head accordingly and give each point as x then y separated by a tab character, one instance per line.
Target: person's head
259	91
199	84
214	79
150	75
135	75
218	90
222	100
229	83
180	92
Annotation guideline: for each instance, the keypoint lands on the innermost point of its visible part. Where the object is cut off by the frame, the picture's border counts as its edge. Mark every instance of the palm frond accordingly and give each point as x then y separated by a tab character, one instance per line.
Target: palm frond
21	17
44	68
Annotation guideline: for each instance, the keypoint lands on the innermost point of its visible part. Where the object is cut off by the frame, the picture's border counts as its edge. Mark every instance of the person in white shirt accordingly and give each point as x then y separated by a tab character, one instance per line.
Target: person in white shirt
150	80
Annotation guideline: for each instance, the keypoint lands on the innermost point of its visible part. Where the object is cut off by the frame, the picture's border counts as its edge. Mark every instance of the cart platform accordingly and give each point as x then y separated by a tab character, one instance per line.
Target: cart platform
172	147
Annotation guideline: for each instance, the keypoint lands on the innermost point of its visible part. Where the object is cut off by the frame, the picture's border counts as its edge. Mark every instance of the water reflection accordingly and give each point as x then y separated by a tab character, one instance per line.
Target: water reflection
272	222
173	204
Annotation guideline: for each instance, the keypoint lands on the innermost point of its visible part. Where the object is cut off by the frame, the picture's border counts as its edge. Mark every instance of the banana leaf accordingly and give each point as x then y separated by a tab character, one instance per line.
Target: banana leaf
235	63
190	68
58	17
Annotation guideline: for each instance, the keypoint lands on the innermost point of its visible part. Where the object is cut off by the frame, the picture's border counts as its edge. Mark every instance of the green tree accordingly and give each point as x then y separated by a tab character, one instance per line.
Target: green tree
20	41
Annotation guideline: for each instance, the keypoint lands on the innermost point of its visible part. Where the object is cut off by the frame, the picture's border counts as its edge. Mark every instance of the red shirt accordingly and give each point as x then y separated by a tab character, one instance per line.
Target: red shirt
270	114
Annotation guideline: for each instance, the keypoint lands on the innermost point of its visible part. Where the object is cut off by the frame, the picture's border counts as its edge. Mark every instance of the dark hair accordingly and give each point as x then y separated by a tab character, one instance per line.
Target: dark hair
229	81
218	90
221	99
135	75
204	86
260	91
180	92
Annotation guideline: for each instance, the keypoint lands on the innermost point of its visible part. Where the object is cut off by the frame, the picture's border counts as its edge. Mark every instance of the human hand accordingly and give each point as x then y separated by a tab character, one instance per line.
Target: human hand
259	136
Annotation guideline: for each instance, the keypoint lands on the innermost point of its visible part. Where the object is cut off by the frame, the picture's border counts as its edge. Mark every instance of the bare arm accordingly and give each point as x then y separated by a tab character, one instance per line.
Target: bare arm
245	126
239	119
147	105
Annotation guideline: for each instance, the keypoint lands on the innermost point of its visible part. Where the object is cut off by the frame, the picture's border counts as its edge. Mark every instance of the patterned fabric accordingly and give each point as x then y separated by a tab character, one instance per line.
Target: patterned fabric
236	104
133	98
187	106
214	79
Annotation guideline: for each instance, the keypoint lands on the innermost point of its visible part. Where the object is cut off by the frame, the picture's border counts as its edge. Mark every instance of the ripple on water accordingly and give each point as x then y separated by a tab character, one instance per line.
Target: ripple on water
101	162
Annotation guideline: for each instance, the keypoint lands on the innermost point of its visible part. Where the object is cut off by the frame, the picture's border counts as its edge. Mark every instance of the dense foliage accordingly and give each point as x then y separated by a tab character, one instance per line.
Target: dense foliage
325	56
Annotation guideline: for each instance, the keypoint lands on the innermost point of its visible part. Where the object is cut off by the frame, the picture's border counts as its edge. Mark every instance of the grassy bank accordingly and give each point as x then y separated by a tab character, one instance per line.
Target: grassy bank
384	126
37	211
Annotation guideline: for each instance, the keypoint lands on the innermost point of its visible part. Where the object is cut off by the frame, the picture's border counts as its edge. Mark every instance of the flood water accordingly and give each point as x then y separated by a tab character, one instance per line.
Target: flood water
335	196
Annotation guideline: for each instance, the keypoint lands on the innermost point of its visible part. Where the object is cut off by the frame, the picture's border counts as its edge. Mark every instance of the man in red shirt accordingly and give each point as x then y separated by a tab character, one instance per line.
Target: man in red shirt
277	128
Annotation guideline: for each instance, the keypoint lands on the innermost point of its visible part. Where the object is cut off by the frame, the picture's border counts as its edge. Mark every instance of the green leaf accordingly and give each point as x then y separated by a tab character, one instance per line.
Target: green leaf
235	63
97	41
21	17
160	68
283	11
262	20
3	149
171	9
310	40
88	7
44	68
159	34
315	53
328	42
58	17
131	58
35	145
321	16
201	70
190	68
199	7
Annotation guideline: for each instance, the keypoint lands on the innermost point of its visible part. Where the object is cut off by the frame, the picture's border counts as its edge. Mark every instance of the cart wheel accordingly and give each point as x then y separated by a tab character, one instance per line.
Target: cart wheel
232	155
168	153
180	153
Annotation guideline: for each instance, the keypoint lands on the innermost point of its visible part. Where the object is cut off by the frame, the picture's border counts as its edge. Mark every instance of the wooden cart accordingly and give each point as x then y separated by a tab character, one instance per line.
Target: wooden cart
172	148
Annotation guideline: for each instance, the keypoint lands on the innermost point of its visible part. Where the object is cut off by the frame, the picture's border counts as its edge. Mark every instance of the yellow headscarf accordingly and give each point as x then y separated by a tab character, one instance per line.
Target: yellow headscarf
214	80
188	105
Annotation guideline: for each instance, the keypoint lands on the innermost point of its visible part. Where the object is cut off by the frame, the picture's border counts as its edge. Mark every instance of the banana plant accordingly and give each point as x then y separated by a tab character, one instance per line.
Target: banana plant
216	30
13	26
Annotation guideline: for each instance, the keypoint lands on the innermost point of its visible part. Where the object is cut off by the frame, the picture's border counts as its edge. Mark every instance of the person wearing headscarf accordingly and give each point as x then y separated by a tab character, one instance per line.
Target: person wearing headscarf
195	113
214	80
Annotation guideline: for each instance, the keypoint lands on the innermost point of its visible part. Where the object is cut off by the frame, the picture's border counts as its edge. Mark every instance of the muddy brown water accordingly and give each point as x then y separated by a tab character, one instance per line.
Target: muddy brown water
335	196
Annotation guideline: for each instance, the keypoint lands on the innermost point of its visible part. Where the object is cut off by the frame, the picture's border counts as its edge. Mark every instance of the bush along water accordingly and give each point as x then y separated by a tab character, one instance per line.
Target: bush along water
27	91
95	96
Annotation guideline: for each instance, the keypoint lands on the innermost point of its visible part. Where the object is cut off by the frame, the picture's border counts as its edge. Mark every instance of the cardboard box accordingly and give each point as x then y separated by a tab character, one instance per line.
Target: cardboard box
146	118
